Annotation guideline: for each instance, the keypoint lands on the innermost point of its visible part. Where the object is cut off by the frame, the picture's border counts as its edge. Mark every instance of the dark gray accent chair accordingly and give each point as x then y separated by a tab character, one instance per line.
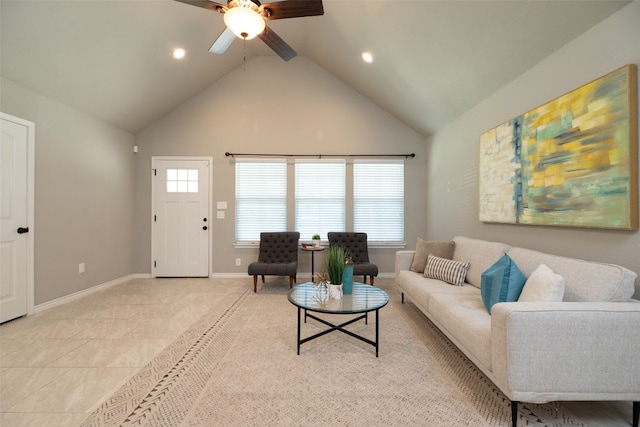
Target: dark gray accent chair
278	256
356	244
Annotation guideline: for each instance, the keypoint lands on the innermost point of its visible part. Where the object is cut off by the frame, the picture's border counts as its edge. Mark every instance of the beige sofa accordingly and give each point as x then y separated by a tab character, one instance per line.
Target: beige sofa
585	348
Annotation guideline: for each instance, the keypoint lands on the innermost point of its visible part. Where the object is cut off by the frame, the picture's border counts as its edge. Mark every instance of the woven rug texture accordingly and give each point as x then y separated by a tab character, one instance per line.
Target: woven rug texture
238	366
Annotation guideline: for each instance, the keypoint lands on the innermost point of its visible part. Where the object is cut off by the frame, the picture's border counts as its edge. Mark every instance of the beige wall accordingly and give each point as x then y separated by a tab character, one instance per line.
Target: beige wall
84	195
93	201
274	107
453	153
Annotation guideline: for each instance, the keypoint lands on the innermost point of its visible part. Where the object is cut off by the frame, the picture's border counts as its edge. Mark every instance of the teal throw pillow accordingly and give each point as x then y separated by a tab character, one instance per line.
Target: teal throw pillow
502	282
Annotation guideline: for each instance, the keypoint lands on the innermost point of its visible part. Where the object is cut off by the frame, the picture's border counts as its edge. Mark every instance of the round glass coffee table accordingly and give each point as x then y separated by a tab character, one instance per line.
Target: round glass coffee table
363	299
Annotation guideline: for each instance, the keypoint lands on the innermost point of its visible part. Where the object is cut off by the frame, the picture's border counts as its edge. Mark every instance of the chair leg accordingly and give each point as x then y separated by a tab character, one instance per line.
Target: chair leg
255	283
636	413
514	413
290	282
263	278
372	279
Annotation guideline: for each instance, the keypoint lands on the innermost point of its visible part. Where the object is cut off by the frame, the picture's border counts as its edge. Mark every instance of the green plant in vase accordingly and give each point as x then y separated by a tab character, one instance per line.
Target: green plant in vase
335	264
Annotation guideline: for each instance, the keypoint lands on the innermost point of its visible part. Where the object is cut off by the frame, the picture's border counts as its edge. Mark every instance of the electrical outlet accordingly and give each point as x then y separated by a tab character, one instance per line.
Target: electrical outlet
238	262
81	268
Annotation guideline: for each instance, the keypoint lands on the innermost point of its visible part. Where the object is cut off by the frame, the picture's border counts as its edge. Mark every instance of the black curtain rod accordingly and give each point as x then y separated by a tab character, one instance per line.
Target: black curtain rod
406	156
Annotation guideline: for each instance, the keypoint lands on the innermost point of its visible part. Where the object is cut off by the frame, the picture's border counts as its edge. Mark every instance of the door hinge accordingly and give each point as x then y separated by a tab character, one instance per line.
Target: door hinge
154	264
155	219
154	172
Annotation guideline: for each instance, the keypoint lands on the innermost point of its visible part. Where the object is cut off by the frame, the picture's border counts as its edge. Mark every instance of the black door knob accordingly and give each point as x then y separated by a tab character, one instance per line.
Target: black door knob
22	230
204	228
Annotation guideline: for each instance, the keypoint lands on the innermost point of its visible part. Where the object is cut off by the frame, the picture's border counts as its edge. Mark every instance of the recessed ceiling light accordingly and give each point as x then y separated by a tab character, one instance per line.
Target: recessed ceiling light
179	53
367	57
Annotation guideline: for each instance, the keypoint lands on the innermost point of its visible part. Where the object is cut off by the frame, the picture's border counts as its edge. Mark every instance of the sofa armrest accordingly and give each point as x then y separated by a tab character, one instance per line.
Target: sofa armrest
404	260
543	352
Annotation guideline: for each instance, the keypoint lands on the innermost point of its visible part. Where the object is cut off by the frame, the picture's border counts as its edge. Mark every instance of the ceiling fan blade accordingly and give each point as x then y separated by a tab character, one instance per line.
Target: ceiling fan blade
291	9
223	42
211	5
278	45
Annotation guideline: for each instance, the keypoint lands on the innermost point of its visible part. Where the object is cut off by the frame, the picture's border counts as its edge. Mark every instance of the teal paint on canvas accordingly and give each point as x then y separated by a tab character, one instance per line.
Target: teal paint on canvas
577	164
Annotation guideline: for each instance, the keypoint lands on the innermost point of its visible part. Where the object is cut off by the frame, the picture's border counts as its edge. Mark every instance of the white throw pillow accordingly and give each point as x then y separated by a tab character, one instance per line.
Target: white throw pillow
543	286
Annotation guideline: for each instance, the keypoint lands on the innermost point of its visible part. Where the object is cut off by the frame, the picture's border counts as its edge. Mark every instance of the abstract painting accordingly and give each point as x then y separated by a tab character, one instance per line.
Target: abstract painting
570	162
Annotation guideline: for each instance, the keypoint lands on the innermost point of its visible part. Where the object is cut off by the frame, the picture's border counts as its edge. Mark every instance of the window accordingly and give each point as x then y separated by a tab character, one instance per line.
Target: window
182	180
320	197
261	198
321	200
378	199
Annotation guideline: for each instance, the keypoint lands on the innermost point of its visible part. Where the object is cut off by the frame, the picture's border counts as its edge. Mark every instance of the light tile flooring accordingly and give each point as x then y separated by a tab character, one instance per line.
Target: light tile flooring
57	366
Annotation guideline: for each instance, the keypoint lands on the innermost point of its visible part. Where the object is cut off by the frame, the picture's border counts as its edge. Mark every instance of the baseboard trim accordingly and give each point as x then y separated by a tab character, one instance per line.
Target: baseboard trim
85	292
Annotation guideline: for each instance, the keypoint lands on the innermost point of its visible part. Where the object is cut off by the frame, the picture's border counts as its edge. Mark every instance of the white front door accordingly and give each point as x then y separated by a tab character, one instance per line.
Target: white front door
14	217
181	222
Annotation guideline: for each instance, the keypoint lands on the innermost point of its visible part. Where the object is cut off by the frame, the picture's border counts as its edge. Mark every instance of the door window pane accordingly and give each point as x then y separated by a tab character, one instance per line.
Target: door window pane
182	180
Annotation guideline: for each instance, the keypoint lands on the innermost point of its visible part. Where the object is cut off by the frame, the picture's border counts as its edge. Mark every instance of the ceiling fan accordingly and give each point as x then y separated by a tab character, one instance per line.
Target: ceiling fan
245	19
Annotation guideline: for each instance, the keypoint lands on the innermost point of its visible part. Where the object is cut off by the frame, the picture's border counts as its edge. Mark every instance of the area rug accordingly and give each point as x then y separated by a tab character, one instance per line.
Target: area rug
238	366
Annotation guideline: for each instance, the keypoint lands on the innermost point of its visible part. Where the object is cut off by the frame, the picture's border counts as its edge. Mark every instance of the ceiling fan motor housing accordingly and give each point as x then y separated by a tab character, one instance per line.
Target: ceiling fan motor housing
249	4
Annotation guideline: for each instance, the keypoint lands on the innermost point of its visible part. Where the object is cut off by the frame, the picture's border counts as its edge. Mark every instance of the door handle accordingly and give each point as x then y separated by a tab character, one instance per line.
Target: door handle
22	230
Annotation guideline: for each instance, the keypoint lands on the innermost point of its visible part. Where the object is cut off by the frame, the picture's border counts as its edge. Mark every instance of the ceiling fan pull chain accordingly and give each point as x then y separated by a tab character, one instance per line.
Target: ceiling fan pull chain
244	54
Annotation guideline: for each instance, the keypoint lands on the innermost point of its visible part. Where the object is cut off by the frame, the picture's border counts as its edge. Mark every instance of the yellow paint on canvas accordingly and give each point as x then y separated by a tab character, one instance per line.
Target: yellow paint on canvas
578	164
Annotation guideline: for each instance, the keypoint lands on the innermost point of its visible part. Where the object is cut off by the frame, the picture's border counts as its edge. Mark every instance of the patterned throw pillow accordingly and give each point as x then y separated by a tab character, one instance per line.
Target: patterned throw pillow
450	271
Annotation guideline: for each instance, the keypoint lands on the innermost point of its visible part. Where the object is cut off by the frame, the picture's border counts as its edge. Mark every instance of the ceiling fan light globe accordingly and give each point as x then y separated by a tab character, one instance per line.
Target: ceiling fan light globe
245	23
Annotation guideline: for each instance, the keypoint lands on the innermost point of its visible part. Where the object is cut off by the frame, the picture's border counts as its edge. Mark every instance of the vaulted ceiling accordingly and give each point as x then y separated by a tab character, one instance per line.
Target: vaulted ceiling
433	60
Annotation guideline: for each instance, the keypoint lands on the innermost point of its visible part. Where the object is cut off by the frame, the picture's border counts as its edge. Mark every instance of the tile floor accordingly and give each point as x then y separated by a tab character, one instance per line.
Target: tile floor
57	366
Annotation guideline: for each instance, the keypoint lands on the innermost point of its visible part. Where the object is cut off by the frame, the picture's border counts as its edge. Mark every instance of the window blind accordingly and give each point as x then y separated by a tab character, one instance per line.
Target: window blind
378	199
261	198
320	197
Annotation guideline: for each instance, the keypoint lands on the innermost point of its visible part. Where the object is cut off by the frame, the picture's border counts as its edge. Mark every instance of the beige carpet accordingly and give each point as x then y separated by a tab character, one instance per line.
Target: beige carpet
238	366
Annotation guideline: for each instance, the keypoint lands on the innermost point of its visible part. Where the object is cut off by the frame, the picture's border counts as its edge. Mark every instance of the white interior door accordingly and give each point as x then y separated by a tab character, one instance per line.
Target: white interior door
14	218
181	222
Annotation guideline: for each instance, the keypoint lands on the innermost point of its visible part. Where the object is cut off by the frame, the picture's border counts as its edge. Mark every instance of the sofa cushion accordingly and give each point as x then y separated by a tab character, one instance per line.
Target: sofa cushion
543	286
502	282
419	288
584	280
434	247
480	254
465	320
447	270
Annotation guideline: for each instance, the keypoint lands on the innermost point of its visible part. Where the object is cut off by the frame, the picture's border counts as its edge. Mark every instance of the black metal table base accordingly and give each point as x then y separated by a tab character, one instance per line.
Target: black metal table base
339	327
